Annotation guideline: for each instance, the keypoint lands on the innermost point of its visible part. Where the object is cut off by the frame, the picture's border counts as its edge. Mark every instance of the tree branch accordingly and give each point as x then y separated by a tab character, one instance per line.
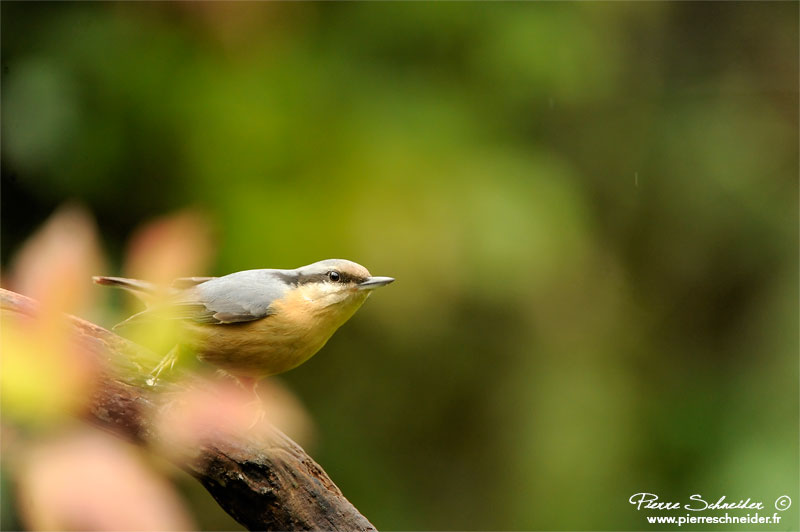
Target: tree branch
269	484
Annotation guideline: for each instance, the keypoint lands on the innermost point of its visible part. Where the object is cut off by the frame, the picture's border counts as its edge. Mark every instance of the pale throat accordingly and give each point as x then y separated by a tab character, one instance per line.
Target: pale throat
328	295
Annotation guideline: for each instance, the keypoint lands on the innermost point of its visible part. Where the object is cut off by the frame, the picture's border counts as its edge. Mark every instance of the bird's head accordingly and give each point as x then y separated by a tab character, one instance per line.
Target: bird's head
334	281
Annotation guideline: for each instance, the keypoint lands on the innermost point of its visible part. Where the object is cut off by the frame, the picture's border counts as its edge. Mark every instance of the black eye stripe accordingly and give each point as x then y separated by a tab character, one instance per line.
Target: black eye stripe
300	279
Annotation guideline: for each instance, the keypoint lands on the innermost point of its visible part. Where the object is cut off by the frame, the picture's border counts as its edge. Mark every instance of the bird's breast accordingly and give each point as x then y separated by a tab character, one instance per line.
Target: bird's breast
298	326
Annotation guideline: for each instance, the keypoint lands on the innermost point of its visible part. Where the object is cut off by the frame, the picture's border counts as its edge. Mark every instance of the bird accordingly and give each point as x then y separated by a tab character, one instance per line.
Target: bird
255	323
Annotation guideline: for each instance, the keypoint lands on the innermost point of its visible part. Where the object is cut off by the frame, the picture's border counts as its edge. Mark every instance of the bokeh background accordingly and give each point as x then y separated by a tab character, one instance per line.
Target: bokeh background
590	210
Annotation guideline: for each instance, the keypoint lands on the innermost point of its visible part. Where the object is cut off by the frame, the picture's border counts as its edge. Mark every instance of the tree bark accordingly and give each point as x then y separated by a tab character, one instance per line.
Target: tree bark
264	484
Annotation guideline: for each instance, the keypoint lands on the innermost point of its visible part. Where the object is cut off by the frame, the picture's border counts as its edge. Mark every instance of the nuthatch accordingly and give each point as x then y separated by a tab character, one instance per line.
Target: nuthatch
256	323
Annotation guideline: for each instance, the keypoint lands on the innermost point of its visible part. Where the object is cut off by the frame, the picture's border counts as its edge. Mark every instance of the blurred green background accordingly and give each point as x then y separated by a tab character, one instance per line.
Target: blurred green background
590	210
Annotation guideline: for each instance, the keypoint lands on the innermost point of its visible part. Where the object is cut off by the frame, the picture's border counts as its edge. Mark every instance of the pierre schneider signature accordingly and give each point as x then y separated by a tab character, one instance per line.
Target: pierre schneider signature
650	501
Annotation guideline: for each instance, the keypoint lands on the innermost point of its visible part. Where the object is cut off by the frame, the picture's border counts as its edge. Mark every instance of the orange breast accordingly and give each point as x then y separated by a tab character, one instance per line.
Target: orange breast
298	327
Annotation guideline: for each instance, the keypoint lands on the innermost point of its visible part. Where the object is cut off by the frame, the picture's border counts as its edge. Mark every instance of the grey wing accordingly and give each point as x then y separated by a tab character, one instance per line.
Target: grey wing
236	298
188	282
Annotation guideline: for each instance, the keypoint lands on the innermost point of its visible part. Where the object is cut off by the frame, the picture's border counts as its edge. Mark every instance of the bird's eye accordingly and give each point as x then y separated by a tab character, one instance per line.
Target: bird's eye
334	276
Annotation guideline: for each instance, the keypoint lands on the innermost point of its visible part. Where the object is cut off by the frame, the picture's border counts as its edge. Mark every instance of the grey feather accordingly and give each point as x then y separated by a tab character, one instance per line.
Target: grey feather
188	282
134	286
235	298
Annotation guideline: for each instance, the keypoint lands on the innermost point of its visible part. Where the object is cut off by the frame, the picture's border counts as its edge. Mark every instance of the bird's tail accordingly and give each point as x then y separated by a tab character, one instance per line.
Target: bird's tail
146	292
152	295
141	289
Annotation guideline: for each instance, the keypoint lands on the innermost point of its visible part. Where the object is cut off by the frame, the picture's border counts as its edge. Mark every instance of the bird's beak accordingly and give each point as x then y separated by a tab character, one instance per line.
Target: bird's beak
375	282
